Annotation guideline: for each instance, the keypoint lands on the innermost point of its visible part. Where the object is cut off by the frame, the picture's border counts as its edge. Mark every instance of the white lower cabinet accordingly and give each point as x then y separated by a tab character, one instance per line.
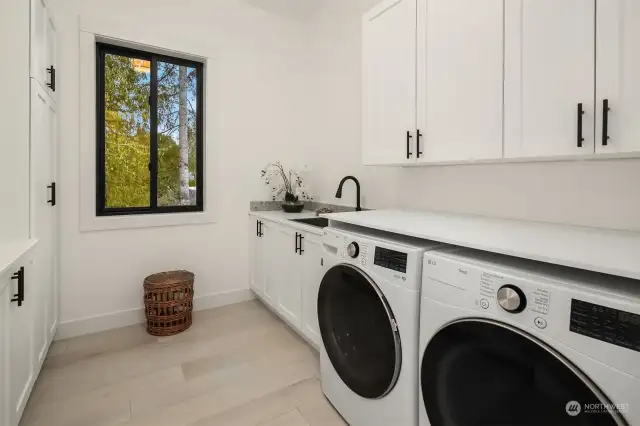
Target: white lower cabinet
5	302
311	276
19	332
285	273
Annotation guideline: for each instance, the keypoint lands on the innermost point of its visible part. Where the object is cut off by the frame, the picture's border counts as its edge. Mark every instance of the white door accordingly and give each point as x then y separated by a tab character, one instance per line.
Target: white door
5	300
549	78
618	76
312	273
288	275
21	349
51	59
42	116
460	79
39	42
50	219
389	83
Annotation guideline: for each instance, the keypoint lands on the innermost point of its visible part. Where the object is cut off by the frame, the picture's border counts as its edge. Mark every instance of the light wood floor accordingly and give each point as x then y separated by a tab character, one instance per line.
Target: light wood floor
237	366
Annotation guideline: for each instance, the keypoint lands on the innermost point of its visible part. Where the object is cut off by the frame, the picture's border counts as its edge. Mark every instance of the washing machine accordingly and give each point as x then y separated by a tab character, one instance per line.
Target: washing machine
506	341
368	308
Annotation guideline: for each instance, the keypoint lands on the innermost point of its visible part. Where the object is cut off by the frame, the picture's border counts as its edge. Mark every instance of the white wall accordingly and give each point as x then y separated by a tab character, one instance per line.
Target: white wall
257	57
600	194
334	94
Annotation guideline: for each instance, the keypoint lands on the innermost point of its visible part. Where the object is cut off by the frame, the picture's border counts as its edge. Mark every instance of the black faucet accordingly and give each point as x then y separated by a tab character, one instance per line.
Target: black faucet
339	193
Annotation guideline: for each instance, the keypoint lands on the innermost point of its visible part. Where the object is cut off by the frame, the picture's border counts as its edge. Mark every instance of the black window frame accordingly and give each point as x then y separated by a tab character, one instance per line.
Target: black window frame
101	209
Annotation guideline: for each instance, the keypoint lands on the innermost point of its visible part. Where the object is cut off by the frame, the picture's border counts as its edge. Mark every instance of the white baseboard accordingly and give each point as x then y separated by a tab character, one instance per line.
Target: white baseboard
79	327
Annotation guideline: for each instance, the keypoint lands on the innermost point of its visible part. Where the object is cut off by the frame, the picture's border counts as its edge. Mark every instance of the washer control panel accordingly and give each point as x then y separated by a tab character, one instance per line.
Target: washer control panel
605	324
391	259
355	250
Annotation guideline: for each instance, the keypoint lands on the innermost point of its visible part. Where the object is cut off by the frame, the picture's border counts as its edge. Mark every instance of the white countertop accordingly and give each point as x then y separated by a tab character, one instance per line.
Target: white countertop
285	219
10	252
601	250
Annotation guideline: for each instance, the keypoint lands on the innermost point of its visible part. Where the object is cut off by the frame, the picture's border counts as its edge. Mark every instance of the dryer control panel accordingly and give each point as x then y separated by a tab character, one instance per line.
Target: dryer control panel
606	324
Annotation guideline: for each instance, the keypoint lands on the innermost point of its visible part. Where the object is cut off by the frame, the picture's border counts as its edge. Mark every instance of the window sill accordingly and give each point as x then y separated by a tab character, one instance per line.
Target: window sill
105	223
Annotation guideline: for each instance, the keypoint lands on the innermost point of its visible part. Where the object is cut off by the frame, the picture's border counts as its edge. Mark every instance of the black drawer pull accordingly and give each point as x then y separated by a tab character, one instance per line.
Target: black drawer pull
418	152
605	122
52	187
52	79
409	153
580	114
19	296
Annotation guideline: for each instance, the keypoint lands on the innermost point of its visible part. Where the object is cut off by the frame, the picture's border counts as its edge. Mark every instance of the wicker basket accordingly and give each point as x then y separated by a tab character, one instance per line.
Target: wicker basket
168	302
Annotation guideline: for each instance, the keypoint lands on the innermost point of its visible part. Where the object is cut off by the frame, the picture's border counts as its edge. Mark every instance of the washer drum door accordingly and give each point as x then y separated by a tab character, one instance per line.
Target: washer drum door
359	332
477	372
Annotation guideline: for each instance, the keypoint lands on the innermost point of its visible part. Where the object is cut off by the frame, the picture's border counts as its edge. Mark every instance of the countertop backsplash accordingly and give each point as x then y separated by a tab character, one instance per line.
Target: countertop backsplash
262	206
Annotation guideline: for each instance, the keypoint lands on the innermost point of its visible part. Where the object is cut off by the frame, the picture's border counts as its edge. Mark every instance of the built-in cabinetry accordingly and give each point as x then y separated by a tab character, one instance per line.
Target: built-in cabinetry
28	279
454	81
286	269
43	47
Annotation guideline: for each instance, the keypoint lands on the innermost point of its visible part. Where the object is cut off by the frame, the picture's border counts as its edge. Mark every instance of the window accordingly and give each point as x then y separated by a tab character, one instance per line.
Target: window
149	133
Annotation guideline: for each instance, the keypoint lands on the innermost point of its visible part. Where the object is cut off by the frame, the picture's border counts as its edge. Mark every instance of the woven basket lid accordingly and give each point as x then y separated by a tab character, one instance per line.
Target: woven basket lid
170	277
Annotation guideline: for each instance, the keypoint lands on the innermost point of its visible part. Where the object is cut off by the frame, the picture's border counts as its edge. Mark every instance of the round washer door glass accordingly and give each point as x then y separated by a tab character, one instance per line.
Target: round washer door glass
358	332
478	373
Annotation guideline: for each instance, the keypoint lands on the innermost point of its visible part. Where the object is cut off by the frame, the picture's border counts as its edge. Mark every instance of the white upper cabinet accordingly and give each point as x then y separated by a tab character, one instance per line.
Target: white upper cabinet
460	79
389	83
618	76
43	47
549	77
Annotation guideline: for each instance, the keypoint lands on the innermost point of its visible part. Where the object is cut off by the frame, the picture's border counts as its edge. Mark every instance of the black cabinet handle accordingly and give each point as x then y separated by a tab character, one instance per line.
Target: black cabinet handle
300	250
418	152
260	233
52	187
19	296
605	122
297	248
409	154
580	114
257	228
52	81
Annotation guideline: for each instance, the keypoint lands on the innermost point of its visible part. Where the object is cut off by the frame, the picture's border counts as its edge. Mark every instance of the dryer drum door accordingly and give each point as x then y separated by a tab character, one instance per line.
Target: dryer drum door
477	372
358	332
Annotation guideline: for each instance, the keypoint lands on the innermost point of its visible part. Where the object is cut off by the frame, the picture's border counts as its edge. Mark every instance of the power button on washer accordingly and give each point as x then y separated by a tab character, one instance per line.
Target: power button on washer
540	322
484	303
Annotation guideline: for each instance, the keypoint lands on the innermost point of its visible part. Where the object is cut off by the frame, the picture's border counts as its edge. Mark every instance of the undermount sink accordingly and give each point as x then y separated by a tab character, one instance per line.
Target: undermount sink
319	222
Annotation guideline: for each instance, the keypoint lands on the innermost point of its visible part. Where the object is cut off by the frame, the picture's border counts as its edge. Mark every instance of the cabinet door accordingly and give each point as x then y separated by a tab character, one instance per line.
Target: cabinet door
618	76
460	79
311	276
51	221
269	245
43	226
287	277
389	83
256	268
5	300
39	42
549	71
22	346
51	53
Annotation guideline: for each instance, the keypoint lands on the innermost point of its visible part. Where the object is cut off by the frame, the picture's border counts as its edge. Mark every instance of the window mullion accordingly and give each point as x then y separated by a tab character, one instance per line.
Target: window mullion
153	164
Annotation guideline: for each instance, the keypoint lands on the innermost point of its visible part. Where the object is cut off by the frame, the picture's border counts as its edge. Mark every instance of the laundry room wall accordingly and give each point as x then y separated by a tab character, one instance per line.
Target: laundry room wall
258	119
601	194
334	96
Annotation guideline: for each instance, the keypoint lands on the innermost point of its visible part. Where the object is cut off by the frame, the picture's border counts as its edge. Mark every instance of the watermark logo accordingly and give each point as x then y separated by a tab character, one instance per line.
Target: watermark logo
573	408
